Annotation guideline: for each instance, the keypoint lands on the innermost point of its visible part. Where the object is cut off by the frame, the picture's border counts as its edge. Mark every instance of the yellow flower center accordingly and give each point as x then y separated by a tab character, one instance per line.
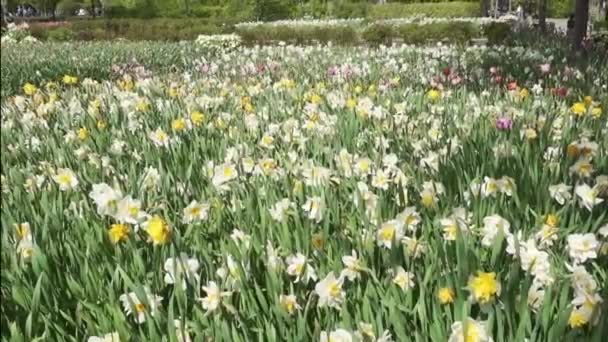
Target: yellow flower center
139	307
22	231
552	220
451	231
427	199
472	334
228	172
335	289
64	179
195	211
577	319
387	233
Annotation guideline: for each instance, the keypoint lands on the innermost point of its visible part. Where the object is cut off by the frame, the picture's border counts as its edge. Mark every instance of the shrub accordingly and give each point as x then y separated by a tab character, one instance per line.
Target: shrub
560	8
269	10
202	11
454	32
377	34
497	33
132	29
434	10
343	9
266	34
61	34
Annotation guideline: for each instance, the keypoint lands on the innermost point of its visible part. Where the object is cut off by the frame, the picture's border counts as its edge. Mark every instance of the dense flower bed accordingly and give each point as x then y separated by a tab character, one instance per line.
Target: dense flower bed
310	193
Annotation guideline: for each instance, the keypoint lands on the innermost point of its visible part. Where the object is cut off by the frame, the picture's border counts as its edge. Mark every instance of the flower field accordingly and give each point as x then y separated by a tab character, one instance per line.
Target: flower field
308	194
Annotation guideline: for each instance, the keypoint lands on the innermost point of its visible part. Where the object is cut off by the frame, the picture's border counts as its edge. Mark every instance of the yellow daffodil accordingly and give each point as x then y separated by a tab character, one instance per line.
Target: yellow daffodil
433	94
83	133
197	118
445	295
158	230
178	125
70	80
118	232
29	89
552	220
484	287
578	108
588	100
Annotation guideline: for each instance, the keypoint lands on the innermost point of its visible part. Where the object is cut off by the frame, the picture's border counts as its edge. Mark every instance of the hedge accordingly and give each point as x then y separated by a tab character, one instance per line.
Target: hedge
161	29
375	34
432	9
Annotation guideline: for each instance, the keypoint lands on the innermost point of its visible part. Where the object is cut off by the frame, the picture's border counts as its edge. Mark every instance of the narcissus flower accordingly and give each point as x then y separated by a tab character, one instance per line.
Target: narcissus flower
403	279
70	80
289	303
338	335
29	89
182	269
214	296
330	291
111	337
579	109
445	295
158	230
118	232
484	287
66	179
433	94
582	247
140	308
469	331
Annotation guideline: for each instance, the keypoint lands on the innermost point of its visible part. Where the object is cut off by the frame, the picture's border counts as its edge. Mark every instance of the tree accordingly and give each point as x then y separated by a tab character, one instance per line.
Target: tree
4	9
47	6
485	8
542	15
581	16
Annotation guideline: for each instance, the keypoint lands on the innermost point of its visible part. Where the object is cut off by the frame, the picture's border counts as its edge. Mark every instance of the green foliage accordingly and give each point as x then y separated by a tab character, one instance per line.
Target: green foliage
377	34
346	9
269	10
454	32
61	34
133	29
69	7
434	10
267	34
203	11
374	34
560	8
497	33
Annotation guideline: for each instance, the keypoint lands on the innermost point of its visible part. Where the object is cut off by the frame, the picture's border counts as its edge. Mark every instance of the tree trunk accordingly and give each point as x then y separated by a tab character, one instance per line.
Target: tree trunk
3	19
581	15
485	8
542	15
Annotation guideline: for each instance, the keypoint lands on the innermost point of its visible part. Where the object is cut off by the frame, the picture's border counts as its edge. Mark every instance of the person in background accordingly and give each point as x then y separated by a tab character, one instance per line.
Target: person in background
520	13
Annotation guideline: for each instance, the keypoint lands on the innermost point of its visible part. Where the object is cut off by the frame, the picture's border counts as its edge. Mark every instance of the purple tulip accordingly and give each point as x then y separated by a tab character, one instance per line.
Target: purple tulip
504	124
